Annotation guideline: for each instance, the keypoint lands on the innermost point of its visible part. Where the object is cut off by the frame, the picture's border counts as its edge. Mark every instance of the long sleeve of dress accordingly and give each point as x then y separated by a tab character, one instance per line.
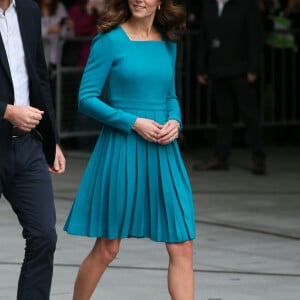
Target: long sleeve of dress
173	108
94	77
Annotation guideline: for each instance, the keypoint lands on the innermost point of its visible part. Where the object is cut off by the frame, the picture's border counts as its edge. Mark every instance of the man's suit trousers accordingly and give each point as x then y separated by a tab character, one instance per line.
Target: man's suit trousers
25	182
226	91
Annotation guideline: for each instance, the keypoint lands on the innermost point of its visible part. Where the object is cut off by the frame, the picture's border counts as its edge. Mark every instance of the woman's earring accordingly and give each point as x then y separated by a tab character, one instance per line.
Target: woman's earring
158	7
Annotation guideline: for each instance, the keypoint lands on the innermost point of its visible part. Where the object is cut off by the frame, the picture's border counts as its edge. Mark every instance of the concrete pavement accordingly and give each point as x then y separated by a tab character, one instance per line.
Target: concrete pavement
247	246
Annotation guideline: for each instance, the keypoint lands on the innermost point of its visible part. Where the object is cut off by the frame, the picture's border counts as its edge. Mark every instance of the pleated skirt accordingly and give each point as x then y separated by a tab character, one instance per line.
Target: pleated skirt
134	188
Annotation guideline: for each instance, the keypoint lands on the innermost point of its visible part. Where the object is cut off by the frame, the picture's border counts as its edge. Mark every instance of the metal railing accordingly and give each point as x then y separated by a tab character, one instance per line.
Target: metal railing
67	77
278	89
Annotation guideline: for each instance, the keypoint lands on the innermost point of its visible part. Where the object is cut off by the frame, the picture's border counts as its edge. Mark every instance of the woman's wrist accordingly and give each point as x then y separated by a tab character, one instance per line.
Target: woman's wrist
134	126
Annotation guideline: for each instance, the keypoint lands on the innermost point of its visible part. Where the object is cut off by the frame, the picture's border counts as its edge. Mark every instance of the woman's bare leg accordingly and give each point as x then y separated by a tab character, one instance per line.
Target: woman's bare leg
180	273
93	266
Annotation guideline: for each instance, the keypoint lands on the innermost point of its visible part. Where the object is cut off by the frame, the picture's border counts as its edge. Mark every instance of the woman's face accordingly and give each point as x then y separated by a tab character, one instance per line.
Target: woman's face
143	8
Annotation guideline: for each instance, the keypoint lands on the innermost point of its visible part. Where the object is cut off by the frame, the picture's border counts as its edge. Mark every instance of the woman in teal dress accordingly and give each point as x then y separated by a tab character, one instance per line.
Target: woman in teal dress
135	184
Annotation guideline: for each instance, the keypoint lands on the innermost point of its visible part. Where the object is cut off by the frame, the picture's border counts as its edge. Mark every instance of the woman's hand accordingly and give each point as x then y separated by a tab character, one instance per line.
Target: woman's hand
169	132
148	129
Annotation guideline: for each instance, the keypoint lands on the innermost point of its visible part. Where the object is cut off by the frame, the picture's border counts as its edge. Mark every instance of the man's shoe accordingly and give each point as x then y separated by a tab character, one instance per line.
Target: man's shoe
259	167
214	164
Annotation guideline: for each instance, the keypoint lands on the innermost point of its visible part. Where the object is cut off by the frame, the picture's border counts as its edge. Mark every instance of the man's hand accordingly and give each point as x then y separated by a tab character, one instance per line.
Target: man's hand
59	164
24	117
202	79
148	129
251	77
169	132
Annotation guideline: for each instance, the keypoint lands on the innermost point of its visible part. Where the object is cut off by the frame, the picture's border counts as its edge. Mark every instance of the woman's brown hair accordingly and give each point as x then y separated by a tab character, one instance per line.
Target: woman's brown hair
170	19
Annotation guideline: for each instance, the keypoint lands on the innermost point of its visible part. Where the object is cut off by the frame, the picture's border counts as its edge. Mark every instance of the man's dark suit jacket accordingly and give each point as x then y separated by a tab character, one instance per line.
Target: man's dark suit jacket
230	44
40	93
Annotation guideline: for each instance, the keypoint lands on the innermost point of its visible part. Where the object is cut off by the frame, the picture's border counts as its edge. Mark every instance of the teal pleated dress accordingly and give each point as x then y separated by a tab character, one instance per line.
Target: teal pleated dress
132	187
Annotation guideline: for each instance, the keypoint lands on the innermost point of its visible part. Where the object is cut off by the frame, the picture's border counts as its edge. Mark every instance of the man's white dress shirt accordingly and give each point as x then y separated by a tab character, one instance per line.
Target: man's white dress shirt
11	37
221	4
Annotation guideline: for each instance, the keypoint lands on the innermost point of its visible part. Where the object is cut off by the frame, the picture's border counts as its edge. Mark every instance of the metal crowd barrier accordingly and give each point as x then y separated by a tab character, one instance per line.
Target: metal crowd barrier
278	89
66	78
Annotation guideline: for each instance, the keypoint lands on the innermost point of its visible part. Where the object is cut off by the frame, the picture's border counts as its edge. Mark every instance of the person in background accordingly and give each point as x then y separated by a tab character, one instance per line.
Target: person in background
135	184
68	3
230	49
292	11
193	10
55	23
283	60
29	148
85	15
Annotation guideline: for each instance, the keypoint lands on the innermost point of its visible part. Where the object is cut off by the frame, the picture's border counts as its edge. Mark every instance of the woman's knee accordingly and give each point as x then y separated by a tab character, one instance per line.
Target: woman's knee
107	249
180	250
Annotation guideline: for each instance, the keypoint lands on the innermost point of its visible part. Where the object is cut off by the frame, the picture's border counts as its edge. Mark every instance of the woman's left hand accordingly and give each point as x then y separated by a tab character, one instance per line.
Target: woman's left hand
169	132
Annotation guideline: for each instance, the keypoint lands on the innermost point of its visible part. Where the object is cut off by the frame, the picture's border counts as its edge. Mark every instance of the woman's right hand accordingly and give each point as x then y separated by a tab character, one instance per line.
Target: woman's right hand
148	129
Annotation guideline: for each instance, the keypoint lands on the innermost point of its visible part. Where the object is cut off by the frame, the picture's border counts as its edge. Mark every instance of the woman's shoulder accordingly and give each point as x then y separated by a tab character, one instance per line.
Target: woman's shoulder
169	42
172	46
114	36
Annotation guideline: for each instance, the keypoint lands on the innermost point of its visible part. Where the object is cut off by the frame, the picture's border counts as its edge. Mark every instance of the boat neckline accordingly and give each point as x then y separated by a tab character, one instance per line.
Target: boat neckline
139	41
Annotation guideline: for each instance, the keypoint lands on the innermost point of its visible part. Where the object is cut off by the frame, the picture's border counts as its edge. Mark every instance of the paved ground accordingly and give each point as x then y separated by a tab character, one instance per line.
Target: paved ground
247	248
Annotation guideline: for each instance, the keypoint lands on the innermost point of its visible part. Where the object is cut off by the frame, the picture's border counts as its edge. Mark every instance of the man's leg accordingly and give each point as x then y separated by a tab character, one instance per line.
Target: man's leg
222	96
248	104
31	197
223	100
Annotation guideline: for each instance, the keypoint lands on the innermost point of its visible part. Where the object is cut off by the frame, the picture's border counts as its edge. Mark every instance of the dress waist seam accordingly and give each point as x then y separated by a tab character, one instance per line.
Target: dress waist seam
125	104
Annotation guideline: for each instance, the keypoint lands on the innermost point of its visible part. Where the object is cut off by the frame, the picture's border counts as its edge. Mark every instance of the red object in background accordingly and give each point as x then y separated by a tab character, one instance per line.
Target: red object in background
84	25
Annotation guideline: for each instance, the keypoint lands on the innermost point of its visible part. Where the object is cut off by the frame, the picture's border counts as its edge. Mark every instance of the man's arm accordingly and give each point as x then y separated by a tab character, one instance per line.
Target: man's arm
58	165
2	110
44	80
24	117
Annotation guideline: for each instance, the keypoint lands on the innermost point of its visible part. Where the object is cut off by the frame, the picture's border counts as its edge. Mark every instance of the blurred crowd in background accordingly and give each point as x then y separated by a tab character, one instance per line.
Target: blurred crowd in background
69	18
79	18
281	38
271	10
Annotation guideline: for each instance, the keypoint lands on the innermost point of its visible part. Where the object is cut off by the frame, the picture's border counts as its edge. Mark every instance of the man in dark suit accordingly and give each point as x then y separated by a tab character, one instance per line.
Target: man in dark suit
229	53
28	142
193	11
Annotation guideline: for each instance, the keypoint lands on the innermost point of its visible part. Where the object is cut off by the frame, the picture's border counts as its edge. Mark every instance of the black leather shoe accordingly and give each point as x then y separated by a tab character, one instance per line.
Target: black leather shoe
214	164
259	167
